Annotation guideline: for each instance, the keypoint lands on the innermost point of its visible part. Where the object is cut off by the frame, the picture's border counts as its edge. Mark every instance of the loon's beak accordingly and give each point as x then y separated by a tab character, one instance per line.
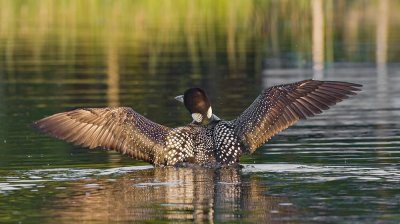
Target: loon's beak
179	98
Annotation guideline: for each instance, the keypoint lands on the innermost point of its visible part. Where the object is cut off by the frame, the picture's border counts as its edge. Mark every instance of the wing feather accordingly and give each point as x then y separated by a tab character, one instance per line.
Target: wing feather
278	107
120	129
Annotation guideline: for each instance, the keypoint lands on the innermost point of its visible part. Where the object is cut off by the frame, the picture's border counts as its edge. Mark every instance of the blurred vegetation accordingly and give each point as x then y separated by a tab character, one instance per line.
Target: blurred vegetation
240	30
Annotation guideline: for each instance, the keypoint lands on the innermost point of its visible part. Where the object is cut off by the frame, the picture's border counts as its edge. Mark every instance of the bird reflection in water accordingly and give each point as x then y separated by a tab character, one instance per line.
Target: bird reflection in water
172	194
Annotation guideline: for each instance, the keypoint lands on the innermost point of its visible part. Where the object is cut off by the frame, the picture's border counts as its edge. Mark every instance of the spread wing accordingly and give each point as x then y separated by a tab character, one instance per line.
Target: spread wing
278	107
120	129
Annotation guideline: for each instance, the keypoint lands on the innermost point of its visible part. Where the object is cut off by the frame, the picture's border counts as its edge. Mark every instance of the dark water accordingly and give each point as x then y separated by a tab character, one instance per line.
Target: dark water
341	166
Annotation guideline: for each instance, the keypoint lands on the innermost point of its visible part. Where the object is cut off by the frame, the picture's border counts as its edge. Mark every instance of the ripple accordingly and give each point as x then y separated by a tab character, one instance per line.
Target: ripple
159	184
36	178
328	173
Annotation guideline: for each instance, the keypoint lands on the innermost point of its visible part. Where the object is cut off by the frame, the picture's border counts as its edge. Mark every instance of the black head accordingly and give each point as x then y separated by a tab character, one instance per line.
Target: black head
197	103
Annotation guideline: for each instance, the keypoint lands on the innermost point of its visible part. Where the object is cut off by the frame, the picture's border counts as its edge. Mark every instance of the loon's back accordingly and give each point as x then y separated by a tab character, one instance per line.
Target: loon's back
214	144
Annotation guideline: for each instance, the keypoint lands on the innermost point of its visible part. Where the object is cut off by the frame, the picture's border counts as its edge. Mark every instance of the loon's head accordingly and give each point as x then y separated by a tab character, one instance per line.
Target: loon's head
197	103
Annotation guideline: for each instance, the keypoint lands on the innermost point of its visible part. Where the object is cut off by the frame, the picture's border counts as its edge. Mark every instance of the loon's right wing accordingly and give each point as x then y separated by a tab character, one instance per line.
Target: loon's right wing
120	129
278	107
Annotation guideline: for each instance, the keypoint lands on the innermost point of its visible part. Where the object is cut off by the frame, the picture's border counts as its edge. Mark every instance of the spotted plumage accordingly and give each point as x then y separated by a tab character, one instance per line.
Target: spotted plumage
228	145
208	140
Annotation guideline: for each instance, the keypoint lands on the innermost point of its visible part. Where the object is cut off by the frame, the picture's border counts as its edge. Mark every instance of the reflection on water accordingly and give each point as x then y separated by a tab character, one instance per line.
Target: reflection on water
143	193
195	195
341	166
258	193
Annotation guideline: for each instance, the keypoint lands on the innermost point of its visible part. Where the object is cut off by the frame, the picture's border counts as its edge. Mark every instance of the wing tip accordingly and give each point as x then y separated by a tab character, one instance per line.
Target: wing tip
38	126
41	128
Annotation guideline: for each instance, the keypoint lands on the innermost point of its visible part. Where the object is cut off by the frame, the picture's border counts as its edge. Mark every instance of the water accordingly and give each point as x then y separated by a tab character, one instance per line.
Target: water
341	166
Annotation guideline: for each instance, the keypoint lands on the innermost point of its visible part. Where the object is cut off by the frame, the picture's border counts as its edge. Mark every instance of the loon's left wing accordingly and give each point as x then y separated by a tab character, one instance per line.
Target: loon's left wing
279	107
121	129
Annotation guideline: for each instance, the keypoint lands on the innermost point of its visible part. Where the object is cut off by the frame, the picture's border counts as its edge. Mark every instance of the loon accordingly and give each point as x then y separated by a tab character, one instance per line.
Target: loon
208	140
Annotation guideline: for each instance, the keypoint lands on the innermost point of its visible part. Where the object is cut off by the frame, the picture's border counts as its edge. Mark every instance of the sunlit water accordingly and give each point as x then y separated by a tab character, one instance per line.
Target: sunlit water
341	166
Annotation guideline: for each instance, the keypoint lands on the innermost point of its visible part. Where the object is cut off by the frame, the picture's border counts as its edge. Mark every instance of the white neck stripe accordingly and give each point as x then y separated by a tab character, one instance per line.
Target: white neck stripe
209	113
197	117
